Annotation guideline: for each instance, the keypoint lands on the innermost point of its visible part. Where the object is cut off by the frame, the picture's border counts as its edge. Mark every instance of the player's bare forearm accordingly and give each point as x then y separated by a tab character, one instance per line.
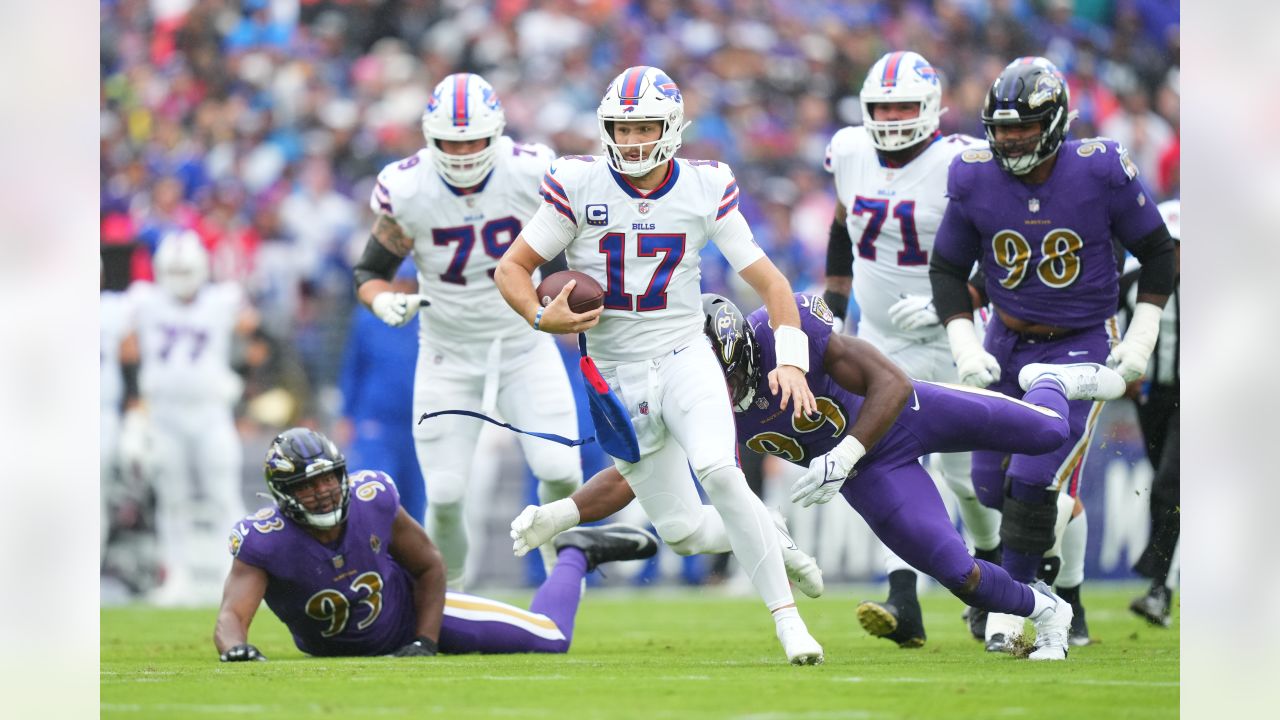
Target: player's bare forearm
775	290
1157	300
241	594
842	284
861	369
514	278
414	551
604	494
391	236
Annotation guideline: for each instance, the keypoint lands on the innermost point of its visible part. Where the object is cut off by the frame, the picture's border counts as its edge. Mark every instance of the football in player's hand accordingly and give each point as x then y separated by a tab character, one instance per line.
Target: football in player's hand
586	295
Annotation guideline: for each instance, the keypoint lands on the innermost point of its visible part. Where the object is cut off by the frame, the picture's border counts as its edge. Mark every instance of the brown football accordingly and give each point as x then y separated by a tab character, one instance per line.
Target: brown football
586	295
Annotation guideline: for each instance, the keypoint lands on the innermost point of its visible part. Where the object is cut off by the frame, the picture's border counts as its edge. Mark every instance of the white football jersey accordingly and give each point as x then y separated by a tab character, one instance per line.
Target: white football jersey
185	348
643	247
113	319
892	215
458	238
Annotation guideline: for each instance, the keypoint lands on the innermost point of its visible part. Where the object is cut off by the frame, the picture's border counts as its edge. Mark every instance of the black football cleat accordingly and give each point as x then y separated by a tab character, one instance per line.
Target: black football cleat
1154	606
977	621
609	543
903	626
1078	636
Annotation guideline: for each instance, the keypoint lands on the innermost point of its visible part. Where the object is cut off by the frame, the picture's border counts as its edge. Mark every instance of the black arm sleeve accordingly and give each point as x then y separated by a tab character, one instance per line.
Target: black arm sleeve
555	265
838	302
376	263
1159	263
839	250
950	288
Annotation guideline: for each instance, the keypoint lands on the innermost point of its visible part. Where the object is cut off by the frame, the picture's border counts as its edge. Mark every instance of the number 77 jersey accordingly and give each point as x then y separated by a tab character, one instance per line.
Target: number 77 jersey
892	214
643	247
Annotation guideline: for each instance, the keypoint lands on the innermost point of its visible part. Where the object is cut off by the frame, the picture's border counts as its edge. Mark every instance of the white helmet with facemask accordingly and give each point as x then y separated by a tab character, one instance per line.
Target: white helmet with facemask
642	93
902	77
181	264
463	106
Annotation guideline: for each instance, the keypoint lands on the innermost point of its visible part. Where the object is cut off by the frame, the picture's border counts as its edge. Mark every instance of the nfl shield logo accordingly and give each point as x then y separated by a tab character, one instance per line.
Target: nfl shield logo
644	408
762	403
1033	205
375	544
644	207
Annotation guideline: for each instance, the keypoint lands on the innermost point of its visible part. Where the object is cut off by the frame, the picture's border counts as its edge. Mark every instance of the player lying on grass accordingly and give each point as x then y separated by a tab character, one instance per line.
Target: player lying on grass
350	573
874	424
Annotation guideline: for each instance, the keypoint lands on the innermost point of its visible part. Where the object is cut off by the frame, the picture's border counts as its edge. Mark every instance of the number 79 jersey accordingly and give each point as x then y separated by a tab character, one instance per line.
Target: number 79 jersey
458	238
892	214
642	247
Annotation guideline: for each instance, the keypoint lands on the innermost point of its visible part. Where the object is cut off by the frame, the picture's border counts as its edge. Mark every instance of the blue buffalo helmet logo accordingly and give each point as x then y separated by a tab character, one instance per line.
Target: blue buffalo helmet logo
433	102
491	98
926	71
667	86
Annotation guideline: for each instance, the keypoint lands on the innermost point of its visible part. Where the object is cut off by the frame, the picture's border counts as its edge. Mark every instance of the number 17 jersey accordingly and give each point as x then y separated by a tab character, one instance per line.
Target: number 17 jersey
643	247
892	214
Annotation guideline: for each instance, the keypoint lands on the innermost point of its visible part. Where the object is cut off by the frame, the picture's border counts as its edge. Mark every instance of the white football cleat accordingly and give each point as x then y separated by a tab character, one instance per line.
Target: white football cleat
1080	381
1003	630
1053	625
798	644
802	569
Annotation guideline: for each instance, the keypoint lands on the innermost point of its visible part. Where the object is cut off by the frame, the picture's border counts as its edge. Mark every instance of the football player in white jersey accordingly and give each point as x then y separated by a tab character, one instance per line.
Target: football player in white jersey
184	328
456	206
891	180
636	220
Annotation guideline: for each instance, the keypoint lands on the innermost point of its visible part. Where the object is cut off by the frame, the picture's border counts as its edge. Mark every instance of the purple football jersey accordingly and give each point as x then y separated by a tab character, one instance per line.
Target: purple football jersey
350	598
764	426
1048	250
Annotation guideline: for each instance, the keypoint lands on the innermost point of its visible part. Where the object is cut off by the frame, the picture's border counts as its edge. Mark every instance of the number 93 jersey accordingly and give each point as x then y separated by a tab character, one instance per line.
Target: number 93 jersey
458	236
349	599
642	246
892	214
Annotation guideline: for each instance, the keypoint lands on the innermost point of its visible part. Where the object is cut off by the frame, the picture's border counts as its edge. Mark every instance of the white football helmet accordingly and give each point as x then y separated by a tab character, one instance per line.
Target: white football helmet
464	106
642	93
902	77
1171	211
181	264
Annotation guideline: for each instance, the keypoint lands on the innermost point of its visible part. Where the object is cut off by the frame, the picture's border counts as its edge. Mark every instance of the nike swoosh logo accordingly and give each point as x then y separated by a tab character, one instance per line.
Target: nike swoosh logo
1077	353
917	399
640	542
791	544
677	352
551	170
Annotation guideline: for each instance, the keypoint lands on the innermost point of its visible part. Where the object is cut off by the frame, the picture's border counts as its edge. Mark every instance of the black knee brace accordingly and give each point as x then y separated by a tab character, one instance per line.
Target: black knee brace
1028	527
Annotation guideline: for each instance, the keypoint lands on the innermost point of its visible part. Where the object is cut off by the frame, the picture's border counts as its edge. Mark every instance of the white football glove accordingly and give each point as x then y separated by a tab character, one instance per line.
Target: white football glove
975	366
537	524
1129	357
827	473
913	312
396	309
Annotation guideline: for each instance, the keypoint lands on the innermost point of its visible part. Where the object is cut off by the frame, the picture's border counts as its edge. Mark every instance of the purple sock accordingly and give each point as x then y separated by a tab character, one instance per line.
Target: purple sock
1021	566
1048	393
559	596
998	592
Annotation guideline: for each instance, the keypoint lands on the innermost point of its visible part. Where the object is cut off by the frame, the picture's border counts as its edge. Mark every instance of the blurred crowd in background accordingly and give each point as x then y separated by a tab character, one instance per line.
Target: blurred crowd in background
261	124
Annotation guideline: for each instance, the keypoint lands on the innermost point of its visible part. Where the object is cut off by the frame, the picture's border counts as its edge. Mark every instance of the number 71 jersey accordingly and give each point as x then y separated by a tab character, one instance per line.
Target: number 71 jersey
892	214
643	247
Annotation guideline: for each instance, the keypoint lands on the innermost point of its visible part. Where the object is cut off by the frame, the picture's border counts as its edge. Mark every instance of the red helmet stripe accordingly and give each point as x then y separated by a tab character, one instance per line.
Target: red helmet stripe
460	82
890	77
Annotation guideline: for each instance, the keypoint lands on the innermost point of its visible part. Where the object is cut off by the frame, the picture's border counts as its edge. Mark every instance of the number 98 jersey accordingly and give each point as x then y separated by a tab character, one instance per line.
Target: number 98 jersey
892	214
460	235
643	247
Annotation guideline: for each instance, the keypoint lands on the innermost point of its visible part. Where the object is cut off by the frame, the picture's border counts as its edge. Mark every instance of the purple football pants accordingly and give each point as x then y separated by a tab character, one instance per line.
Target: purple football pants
899	501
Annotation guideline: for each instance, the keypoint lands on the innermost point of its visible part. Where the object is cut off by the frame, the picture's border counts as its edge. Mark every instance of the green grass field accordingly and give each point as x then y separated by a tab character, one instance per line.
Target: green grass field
653	654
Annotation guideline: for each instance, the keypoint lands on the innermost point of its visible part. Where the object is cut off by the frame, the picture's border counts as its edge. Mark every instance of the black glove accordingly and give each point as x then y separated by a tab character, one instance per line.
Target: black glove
243	653
420	647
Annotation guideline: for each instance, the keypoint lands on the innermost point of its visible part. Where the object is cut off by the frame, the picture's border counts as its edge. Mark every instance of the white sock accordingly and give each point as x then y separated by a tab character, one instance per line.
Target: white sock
447	526
1043	603
751	533
1073	545
784	614
981	522
549	492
